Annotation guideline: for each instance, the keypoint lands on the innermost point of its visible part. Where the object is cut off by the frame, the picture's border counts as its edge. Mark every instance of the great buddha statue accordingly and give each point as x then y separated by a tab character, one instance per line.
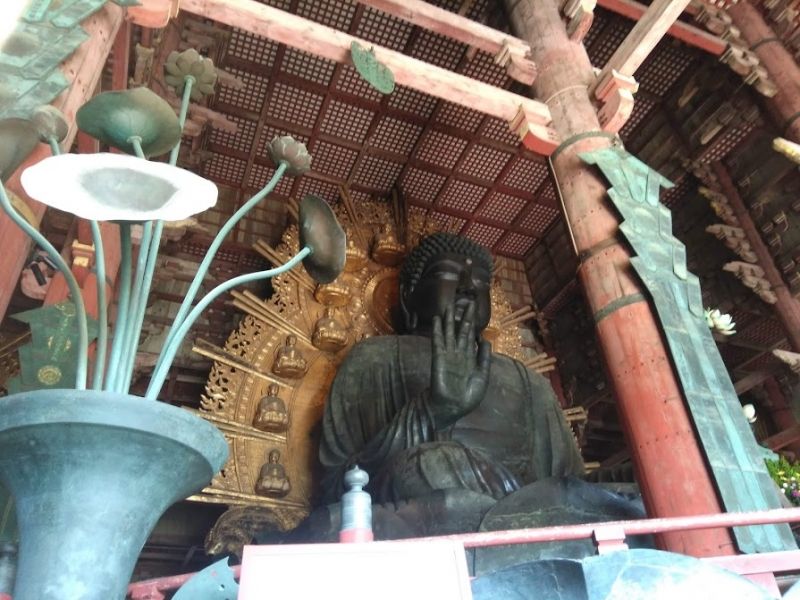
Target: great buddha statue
435	409
454	437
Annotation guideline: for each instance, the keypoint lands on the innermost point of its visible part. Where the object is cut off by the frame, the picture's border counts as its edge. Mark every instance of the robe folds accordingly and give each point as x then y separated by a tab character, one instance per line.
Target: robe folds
378	416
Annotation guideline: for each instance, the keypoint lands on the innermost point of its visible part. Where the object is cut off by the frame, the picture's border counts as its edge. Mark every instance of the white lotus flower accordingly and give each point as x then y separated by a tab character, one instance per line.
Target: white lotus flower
719	322
118	187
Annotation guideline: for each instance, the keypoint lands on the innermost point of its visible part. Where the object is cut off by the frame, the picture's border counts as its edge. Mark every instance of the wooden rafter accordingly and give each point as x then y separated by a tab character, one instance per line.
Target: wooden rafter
501	45
333	44
644	36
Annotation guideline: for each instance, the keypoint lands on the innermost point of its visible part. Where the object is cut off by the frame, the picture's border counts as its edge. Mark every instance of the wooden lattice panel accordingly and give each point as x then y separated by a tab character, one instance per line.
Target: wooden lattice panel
441	149
539	219
484	162
382	29
305	65
502	208
421	186
394	135
516	244
462	195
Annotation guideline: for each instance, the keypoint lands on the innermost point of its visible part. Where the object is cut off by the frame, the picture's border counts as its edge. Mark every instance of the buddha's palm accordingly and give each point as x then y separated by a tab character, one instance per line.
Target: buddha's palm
459	369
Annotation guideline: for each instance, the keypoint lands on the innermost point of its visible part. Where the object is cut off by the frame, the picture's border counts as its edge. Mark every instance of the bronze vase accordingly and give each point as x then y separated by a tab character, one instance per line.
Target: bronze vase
91	473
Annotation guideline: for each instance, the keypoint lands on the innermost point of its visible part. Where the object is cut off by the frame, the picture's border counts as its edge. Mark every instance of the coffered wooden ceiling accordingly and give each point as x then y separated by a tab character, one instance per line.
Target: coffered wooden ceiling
463	169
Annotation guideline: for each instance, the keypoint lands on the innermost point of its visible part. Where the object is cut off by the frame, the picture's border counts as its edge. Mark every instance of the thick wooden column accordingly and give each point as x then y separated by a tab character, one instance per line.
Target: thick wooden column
670	467
779	63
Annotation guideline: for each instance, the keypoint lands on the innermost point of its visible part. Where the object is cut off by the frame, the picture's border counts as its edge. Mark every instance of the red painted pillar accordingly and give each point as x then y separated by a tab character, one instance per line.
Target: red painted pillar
779	63
670	467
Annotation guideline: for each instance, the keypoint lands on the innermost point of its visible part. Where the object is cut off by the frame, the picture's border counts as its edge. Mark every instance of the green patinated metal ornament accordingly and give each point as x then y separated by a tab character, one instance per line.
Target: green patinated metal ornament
376	74
18	138
285	149
50	123
660	261
189	63
115	118
321	232
49	360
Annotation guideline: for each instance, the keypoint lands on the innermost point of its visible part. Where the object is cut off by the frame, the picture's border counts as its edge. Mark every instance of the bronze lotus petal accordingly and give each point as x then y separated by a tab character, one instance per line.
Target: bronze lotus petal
115	117
321	232
50	123
18	138
181	65
293	153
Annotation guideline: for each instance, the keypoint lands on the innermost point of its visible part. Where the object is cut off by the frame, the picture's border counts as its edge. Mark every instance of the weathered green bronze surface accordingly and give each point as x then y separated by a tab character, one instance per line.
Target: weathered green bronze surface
18	137
116	117
47	34
377	75
660	261
186	64
49	360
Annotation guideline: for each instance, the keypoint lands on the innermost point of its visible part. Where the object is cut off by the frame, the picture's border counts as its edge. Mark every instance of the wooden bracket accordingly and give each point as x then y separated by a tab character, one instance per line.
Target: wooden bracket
153	13
534	136
615	93
580	16
517	64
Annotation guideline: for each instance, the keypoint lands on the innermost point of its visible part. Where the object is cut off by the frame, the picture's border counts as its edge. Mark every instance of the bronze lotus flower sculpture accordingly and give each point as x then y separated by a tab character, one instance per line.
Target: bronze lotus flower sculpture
189	63
293	153
116	187
117	118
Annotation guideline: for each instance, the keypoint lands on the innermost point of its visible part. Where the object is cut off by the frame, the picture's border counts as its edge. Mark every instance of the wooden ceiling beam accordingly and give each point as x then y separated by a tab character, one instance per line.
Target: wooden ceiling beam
511	52
693	36
641	40
297	32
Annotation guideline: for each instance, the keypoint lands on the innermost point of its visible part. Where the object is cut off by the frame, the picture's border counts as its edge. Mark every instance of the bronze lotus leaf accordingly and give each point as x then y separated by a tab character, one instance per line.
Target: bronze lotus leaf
18	138
293	153
50	123
321	232
181	65
115	117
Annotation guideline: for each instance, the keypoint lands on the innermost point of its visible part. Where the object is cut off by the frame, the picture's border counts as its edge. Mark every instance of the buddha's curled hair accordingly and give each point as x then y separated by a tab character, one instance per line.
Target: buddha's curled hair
434	245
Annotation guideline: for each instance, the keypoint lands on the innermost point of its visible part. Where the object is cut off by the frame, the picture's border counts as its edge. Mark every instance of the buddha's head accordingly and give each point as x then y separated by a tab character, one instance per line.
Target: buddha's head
274	456
445	269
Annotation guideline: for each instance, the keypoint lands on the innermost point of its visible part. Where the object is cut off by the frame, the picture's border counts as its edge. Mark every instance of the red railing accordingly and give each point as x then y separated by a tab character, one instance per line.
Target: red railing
607	536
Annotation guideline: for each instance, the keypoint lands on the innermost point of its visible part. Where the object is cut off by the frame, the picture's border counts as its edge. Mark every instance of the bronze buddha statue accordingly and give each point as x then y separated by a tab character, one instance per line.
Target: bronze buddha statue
272	480
289	362
271	413
435	409
329	335
386	250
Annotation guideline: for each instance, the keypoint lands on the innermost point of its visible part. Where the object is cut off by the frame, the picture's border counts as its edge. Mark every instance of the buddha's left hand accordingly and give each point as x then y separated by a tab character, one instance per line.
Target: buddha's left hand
460	367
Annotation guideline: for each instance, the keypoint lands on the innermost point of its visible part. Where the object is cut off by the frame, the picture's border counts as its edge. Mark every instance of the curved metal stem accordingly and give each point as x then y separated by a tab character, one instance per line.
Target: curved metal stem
212	251
74	289
171	348
130	340
187	94
144	293
136	142
123	304
102	307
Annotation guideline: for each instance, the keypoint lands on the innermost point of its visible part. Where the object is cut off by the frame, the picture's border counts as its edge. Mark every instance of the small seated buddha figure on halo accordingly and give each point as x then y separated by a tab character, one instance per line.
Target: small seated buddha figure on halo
356	257
271	413
329	335
386	250
272	480
289	362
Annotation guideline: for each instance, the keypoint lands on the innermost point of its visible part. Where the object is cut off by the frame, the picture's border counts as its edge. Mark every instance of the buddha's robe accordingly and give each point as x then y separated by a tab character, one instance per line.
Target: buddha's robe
378	416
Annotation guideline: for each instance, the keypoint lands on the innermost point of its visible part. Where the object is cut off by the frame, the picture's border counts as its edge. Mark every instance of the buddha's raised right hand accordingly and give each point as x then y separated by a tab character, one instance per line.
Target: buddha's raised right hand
459	369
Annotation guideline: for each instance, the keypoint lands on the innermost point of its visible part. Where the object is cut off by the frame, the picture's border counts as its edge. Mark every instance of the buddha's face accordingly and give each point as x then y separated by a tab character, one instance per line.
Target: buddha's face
451	279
